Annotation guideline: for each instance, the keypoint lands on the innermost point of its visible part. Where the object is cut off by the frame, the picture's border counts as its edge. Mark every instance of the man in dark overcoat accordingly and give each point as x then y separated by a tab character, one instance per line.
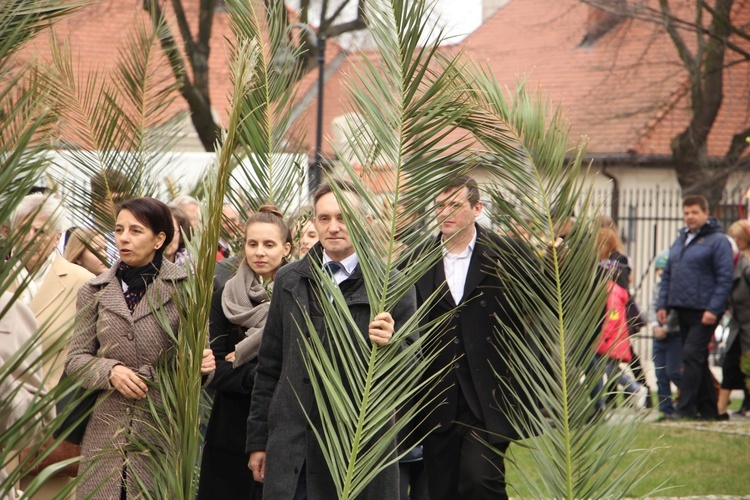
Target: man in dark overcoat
472	396
284	453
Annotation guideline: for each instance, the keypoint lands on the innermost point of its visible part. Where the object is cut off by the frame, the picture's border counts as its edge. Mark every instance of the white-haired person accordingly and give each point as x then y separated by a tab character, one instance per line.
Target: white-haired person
36	225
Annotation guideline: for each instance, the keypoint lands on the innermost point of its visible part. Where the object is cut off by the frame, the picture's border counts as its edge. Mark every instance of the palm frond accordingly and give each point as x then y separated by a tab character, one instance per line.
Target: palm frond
21	21
24	120
116	125
173	442
537	184
404	103
270	170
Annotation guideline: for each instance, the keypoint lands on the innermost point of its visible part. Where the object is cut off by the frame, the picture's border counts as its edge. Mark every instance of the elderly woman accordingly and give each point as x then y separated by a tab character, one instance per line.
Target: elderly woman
119	341
37	224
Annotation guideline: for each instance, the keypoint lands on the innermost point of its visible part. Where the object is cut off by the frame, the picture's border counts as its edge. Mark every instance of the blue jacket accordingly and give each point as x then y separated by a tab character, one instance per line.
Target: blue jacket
699	275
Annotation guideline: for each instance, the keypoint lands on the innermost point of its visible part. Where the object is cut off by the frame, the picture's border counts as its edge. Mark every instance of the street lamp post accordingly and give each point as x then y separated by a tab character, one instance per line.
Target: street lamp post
315	174
319	39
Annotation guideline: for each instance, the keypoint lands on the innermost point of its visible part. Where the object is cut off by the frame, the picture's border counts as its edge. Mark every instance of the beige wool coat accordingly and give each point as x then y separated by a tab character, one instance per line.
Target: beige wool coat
54	307
108	335
24	384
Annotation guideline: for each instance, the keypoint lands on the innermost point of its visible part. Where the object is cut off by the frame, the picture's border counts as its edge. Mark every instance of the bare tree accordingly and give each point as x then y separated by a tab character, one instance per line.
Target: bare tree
705	61
192	50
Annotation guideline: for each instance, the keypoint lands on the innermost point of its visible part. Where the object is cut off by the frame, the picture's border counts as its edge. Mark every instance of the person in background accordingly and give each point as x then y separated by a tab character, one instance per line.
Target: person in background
230	231
108	188
612	256
738	343
51	292
119	339
304	235
190	206
25	384
176	252
86	248
697	281
667	346
238	315
613	345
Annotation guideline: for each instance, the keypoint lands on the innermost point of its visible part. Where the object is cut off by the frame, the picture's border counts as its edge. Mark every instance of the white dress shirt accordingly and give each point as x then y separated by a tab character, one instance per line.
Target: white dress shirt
347	266
456	268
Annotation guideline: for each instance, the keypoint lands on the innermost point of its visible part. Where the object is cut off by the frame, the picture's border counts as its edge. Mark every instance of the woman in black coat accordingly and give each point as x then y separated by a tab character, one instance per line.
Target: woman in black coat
238	315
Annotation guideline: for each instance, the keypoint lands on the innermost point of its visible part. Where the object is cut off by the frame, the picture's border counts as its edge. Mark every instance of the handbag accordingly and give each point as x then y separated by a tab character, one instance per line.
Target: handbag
78	416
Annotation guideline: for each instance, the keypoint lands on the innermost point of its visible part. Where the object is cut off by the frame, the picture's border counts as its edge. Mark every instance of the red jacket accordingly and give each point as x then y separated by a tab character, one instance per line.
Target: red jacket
614	341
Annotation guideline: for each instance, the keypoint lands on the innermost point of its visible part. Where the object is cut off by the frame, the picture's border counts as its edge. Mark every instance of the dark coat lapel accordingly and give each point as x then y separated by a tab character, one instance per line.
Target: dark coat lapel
161	290
476	273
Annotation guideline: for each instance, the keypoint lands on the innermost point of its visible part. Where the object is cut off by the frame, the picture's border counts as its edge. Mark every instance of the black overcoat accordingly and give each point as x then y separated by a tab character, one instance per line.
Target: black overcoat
469	339
224	471
282	393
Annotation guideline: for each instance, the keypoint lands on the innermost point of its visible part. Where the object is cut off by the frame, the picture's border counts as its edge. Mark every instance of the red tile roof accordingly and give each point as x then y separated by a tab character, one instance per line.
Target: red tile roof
626	92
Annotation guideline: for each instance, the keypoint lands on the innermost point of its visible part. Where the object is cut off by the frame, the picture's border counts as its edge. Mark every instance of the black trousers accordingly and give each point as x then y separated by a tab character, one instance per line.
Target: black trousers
460	466
697	395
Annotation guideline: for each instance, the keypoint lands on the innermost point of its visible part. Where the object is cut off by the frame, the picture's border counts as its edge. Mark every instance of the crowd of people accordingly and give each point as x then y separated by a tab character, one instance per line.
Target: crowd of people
258	440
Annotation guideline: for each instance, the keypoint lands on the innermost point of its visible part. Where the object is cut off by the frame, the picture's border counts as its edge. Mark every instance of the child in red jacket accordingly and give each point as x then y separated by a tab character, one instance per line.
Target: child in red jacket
613	345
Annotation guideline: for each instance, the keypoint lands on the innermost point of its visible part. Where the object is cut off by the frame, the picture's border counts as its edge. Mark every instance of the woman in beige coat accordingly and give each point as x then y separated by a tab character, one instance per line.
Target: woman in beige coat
118	344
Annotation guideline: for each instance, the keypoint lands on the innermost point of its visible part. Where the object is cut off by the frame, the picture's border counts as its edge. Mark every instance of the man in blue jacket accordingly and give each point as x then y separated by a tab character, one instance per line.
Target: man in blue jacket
696	283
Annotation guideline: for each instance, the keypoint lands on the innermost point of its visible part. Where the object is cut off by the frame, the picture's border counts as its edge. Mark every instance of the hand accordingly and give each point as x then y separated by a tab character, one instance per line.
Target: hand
127	382
708	318
208	364
661	316
231	356
659	333
257	464
381	328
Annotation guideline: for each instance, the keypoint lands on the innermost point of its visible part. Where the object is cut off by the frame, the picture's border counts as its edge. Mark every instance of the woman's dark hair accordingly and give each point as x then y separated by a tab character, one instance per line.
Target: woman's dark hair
184	224
153	214
269	214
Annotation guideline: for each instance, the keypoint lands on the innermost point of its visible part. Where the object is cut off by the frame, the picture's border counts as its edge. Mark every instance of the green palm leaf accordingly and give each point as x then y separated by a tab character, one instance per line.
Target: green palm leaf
173	443
403	107
537	184
270	171
115	122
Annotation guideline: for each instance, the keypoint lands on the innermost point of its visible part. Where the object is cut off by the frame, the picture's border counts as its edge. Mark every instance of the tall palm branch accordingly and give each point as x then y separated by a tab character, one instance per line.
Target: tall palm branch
116	121
404	106
173	443
538	186
270	170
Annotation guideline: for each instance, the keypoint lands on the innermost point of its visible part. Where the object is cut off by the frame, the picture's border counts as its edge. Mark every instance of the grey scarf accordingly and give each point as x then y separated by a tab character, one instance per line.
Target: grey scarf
245	302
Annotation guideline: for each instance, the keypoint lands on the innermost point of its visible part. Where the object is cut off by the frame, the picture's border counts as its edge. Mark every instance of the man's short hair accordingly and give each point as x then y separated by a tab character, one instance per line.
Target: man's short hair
471	186
40	205
695	199
327	187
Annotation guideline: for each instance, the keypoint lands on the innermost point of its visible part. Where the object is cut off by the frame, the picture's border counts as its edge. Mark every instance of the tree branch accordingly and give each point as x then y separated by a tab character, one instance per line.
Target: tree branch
198	101
682	50
357	23
738	146
182	24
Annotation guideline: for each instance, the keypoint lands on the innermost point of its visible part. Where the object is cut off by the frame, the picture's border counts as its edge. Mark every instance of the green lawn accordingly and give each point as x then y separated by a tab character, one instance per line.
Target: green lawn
690	462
